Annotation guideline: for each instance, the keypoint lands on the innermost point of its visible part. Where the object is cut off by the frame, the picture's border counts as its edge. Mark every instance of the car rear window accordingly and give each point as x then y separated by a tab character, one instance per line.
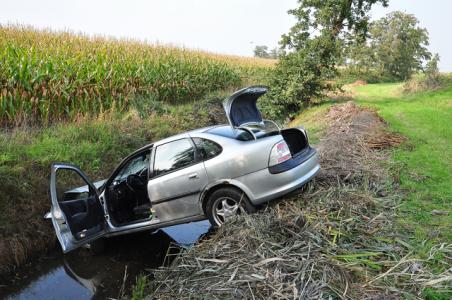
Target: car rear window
240	134
207	148
226	131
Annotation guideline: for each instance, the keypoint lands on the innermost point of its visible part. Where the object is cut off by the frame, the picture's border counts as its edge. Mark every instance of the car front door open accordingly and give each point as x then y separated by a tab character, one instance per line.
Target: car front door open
77	214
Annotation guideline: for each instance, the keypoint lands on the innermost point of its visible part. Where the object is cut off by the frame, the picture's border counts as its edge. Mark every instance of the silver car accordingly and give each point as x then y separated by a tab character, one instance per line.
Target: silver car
209	173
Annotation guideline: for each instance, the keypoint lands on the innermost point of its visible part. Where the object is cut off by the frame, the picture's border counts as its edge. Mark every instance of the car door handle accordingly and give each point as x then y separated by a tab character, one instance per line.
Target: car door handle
193	176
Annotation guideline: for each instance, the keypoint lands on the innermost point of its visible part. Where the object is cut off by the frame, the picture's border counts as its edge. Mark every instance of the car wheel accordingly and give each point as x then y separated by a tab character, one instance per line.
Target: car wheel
226	203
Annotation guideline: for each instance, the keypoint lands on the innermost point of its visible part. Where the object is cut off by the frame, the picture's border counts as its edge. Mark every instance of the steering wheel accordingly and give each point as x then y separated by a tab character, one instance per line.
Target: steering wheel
143	172
134	181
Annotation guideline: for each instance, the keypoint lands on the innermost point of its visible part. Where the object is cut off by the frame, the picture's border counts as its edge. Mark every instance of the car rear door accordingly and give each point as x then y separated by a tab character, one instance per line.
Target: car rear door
77	213
177	179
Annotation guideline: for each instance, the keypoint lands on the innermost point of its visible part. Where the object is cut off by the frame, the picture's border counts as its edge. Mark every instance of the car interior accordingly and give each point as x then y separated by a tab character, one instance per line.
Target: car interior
82	210
126	194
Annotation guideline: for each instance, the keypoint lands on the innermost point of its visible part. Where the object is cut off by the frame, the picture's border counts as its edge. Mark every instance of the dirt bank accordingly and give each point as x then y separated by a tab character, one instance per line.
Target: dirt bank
336	239
26	233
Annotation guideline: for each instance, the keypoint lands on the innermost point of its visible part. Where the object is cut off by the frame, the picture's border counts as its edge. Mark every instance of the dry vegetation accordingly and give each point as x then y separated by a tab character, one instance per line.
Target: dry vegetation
429	82
336	239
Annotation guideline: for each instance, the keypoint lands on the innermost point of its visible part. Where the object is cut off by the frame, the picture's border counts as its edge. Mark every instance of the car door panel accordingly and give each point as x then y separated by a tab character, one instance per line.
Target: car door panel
77	214
175	195
178	177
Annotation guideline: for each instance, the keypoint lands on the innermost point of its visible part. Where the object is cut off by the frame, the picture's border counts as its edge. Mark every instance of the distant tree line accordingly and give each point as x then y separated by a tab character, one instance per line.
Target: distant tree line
394	49
263	51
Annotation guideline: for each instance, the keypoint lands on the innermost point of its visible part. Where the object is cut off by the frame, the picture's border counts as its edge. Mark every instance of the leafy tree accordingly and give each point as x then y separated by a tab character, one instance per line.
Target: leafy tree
400	45
433	77
430	81
431	68
396	48
261	51
312	49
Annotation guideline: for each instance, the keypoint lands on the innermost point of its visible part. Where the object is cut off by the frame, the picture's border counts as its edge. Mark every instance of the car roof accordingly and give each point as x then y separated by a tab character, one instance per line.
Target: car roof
183	135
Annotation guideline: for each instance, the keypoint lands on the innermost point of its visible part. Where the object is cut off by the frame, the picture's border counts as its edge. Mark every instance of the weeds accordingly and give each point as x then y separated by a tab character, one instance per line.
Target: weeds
429	82
138	290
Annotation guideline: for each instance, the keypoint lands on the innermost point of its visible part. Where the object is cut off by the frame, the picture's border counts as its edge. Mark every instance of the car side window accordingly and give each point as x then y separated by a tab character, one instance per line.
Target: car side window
173	155
207	148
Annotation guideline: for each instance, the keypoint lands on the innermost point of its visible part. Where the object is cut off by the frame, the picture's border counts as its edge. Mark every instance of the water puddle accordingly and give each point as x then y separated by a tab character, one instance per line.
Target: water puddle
82	275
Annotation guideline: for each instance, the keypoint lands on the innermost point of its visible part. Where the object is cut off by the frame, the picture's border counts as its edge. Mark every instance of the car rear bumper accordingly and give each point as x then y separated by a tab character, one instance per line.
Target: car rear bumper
265	185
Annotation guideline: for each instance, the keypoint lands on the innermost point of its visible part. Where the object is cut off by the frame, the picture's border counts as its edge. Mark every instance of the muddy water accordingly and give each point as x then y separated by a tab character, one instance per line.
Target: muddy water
81	275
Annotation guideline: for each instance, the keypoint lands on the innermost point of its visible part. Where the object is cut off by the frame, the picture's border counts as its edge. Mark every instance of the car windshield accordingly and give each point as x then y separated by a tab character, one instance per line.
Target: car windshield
137	165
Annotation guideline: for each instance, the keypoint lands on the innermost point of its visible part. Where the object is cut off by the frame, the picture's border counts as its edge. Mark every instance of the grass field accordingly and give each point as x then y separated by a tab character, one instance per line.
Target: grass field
424	164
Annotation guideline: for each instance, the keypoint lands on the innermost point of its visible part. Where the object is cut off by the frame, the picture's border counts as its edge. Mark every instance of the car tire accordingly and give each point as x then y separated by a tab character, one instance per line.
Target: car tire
227	201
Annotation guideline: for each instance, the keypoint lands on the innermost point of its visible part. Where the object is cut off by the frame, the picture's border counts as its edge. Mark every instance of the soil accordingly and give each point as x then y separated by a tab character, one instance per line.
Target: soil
27	234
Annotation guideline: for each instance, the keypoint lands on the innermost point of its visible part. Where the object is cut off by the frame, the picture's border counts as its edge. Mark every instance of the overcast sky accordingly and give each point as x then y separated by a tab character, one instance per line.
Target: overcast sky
222	26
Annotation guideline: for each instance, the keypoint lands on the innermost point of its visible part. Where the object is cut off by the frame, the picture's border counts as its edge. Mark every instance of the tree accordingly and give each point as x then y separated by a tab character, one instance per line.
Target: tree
396	48
400	45
431	68
313	48
261	51
275	53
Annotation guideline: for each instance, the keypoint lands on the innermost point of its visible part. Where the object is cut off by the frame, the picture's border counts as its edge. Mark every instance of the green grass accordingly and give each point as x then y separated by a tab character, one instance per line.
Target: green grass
423	164
311	120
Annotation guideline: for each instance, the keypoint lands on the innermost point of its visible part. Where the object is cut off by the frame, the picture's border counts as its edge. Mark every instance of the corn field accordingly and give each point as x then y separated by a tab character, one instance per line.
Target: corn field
47	76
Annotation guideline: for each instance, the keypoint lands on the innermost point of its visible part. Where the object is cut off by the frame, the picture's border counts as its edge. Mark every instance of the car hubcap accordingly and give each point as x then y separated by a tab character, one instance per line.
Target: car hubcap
225	208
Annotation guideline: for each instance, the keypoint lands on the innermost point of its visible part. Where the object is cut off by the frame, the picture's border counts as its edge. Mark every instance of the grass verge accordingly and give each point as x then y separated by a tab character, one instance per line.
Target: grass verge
424	164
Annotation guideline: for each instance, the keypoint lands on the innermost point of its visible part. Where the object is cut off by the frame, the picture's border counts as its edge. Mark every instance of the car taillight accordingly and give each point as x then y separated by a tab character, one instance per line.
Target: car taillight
280	153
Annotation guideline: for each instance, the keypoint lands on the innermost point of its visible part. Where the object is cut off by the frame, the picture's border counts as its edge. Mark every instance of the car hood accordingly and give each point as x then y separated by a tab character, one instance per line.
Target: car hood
82	189
241	108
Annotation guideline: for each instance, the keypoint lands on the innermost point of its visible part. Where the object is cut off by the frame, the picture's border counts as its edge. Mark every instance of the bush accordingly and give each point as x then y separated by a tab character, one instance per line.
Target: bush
299	78
349	75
